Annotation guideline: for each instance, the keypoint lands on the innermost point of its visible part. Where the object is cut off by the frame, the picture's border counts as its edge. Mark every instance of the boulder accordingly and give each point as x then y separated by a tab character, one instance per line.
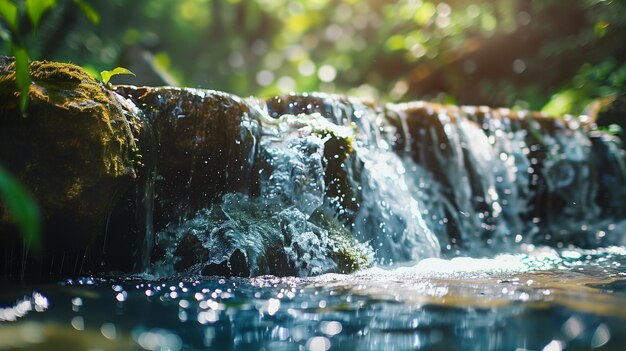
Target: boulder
73	148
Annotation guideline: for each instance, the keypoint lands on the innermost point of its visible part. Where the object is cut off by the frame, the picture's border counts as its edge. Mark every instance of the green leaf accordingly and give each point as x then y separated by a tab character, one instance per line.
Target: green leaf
8	11
564	102
106	75
89	11
22	207
22	76
36	9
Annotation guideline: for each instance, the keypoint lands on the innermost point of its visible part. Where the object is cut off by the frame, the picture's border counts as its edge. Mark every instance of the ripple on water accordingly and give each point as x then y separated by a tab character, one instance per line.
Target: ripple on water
543	299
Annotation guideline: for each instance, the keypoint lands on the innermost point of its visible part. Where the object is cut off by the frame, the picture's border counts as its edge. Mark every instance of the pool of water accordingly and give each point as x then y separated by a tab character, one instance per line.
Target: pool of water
543	299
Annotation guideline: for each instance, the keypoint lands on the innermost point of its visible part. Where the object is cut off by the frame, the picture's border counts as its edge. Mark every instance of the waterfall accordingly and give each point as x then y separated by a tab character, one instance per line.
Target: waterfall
313	183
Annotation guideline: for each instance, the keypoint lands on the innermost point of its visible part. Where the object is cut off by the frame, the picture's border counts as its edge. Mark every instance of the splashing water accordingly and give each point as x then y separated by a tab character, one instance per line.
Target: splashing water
407	181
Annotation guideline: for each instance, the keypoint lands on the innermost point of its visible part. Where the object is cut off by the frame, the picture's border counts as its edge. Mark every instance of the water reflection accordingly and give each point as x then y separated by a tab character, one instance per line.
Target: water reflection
540	300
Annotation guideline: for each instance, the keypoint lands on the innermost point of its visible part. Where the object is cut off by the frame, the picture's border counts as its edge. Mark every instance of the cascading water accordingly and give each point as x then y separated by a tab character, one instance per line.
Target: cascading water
503	175
370	191
304	177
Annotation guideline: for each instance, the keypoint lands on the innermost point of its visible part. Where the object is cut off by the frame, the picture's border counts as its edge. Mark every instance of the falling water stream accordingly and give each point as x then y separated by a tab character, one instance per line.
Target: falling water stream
334	223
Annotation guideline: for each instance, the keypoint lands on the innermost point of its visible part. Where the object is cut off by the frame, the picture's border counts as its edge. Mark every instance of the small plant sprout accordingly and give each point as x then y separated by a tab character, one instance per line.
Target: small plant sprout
106	75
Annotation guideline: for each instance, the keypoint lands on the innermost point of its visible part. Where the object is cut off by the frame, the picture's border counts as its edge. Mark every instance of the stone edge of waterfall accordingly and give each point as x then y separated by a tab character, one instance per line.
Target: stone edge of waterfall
400	182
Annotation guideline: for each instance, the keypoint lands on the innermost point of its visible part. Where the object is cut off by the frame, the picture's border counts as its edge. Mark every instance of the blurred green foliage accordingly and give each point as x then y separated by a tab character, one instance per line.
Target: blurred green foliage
13	14
36	8
591	82
520	53
22	208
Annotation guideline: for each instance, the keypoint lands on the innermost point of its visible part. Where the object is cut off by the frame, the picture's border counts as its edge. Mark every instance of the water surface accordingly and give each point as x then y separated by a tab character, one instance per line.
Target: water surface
570	299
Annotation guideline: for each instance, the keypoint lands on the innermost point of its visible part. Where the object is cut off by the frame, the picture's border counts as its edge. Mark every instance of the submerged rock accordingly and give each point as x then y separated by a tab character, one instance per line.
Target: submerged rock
73	148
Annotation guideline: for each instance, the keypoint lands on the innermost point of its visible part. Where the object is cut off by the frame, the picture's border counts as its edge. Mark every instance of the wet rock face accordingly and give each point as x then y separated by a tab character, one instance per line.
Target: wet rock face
72	149
198	144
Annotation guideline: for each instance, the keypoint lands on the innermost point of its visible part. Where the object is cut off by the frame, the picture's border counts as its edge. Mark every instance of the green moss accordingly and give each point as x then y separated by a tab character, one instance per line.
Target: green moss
349	254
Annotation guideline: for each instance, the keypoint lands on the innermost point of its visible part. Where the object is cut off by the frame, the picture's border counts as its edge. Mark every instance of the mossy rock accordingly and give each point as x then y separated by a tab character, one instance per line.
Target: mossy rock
349	254
72	148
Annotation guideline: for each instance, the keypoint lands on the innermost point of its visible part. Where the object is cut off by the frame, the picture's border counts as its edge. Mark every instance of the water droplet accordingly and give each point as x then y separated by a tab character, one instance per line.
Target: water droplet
318	343
121	297
272	306
331	328
573	327
78	323
601	336
554	345
108	330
